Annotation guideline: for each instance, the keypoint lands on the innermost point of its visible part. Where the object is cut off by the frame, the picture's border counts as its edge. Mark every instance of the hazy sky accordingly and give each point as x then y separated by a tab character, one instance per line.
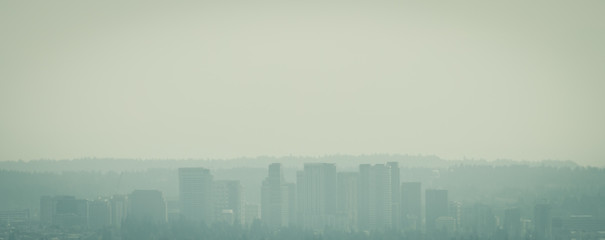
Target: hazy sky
523	80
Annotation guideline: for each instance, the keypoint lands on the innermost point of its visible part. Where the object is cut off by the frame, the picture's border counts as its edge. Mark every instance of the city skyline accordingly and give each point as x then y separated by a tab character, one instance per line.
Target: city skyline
302	120
433	203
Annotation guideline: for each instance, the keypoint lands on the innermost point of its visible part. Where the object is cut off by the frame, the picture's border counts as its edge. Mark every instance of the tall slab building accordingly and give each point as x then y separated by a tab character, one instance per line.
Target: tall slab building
274	198
63	211
147	205
395	194
436	206
195	194
228	195
347	198
542	221
318	195
375	197
411	205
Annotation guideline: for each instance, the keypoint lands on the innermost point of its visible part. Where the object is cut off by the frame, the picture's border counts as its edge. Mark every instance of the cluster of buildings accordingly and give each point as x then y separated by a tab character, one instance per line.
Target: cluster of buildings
203	199
70	212
372	198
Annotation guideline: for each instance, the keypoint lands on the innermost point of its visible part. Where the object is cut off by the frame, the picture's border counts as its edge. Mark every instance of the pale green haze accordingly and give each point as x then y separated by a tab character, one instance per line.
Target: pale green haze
520	80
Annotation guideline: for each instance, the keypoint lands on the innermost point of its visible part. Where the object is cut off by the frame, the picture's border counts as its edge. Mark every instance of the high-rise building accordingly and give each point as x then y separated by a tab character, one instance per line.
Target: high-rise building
147	205
14	217
446	223
375	200
292	204
228	195
64	211
99	214
225	216
173	210
478	218
347	198
395	195
455	211
436	206
251	213
512	223
47	208
119	208
195	194
411	205
363	202
542	222
318	200
274	198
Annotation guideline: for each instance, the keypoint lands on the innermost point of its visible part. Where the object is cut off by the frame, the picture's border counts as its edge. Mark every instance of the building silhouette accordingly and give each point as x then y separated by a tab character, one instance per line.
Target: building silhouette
147	205
436	204
274	198
347	199
542	221
99	211
512	223
64	211
251	214
292	204
375	197
318	190
47	208
395	195
228	198
195	194
411	205
478	218
14	217
119	209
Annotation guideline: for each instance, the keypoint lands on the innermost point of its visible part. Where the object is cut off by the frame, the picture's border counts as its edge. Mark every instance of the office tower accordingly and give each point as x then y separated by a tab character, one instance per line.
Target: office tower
395	195
228	196
47	208
318	201
444	228
436	206
173	210
479	219
195	194
363	202
226	216
348	183
455	211
119	207
147	205
512	223
446	223
581	224
70	211
300	183
274	198
292	204
14	217
64	211
542	221
99	214
468	219
411	205
375	198
486	220
251	213
526	227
